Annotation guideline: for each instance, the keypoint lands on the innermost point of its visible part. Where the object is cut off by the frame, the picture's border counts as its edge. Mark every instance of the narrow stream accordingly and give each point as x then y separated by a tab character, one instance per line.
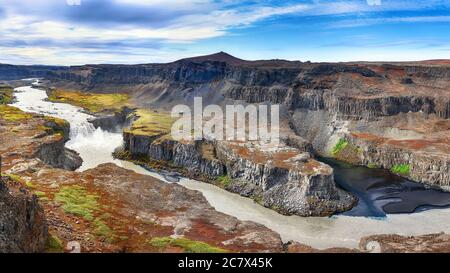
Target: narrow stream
96	146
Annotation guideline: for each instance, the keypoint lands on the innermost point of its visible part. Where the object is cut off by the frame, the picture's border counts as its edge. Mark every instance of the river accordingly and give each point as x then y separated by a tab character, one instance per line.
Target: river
95	146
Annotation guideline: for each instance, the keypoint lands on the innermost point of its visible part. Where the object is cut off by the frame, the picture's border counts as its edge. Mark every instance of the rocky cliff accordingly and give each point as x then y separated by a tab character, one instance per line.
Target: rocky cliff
285	179
23	227
17	72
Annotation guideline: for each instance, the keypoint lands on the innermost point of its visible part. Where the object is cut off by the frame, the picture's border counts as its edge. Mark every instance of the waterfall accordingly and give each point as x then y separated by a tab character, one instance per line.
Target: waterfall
83	129
33	100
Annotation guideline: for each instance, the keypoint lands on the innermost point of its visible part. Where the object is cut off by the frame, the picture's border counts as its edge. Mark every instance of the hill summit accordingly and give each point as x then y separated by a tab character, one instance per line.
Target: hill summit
219	57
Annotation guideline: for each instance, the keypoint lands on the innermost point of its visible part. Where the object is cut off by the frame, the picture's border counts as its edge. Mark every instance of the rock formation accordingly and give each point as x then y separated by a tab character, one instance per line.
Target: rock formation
23	227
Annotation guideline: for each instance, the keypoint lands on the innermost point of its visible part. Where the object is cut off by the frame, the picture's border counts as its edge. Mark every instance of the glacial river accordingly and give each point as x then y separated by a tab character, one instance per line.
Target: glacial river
95	146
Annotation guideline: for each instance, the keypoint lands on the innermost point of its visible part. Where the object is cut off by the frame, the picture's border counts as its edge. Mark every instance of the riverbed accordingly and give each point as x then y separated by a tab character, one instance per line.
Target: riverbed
95	147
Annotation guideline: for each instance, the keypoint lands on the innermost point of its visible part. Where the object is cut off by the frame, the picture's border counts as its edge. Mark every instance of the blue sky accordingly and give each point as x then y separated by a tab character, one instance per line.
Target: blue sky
145	31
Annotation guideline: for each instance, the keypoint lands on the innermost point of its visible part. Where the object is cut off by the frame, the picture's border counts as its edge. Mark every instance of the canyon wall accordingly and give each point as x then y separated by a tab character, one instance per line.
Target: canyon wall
23	227
287	180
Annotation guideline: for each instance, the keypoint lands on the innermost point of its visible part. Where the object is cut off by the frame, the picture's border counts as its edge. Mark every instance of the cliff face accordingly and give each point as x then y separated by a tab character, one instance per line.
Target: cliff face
55	153
354	91
284	178
287	180
23	227
28	142
17	72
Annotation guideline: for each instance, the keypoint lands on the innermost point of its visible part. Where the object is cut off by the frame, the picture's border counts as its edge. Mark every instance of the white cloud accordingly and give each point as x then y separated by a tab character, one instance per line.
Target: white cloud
186	22
375	21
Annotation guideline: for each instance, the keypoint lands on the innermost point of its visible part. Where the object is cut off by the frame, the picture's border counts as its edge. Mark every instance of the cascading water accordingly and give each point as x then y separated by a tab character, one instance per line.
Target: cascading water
95	147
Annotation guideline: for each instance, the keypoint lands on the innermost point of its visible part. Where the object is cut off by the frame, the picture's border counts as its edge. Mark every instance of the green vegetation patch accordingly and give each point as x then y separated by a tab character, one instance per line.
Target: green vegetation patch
342	143
372	166
92	102
187	245
401	169
30	185
77	201
54	245
6	94
13	177
103	230
10	113
224	181
55	126
42	196
57	121
151	123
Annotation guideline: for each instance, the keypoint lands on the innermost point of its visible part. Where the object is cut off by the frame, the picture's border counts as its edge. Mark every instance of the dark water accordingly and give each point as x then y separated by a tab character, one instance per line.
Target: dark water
381	192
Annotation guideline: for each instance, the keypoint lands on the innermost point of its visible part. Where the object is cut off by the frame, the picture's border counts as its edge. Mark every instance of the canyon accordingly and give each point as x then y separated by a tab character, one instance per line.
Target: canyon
391	113
393	116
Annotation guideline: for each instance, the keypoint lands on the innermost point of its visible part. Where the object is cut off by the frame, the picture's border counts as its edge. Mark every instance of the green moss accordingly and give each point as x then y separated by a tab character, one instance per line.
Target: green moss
103	230
372	166
151	123
13	177
401	169
55	126
6	94
10	113
342	143
40	194
258	198
189	246
124	238
224	181
30	185
57	121
53	245
76	200
92	102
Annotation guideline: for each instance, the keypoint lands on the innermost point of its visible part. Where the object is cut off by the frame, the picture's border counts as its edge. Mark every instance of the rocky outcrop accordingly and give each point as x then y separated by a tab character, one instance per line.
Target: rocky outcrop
286	179
347	107
197	157
113	122
432	243
55	153
23	227
429	168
